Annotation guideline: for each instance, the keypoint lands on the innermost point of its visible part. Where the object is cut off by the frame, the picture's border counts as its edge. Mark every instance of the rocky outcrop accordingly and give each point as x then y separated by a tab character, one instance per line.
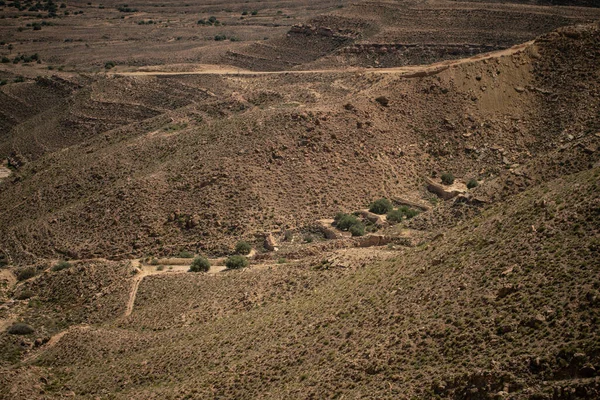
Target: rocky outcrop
270	243
445	192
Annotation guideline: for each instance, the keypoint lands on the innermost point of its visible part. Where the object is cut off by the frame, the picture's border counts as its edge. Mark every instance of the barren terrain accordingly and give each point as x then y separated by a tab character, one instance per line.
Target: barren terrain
136	137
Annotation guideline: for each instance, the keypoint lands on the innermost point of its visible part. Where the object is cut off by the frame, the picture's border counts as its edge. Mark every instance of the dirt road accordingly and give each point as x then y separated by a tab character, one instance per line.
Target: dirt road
409	71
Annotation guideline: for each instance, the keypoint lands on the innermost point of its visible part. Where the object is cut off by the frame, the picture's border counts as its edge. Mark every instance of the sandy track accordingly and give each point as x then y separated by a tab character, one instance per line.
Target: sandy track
4	172
409	71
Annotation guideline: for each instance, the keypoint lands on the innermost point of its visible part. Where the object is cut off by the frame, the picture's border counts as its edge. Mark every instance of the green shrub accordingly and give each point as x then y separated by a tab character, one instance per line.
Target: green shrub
281	261
358	229
26	273
236	262
243	248
5	60
20	329
255	12
186	254
219	38
200	264
395	216
61	265
346	221
409	212
447	178
472	183
381	206
401	213
109	65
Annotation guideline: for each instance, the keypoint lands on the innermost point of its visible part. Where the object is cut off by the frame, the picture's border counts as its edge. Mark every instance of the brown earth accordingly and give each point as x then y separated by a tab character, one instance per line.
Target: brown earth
191	144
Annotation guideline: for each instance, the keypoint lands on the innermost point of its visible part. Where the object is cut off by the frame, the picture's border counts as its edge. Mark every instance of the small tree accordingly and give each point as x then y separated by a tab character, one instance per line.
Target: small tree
381	206
200	264
346	221
447	178
243	248
236	262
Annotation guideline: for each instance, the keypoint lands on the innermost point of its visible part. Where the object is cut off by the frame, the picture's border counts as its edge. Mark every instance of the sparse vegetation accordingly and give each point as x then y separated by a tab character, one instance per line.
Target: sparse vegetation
236	262
345	221
61	265
200	264
447	178
126	9
26	273
357	229
401	213
395	216
24	294
472	183
109	65
186	254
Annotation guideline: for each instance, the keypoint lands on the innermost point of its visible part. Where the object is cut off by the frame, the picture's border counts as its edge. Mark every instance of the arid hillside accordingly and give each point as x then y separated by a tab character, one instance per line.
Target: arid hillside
300	200
195	162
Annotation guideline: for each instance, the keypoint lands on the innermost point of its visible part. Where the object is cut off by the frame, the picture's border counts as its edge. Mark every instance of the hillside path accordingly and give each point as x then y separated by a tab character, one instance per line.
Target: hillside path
414	71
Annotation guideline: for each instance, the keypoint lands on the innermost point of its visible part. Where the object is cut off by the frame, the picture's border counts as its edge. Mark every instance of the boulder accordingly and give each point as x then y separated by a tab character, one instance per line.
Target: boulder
445	192
270	243
373	240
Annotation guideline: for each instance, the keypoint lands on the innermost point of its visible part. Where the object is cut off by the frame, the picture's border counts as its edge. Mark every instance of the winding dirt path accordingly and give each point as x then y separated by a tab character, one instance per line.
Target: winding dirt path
133	292
414	71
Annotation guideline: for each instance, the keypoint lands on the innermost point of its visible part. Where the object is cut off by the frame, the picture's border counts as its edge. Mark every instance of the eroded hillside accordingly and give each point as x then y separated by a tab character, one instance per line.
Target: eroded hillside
478	280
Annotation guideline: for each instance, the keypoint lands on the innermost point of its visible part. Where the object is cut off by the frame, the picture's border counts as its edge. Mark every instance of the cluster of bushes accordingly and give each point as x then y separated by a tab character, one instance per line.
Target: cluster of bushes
237	261
350	223
149	22
37	26
221	37
211	21
401	213
26	59
45	5
246	12
126	9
